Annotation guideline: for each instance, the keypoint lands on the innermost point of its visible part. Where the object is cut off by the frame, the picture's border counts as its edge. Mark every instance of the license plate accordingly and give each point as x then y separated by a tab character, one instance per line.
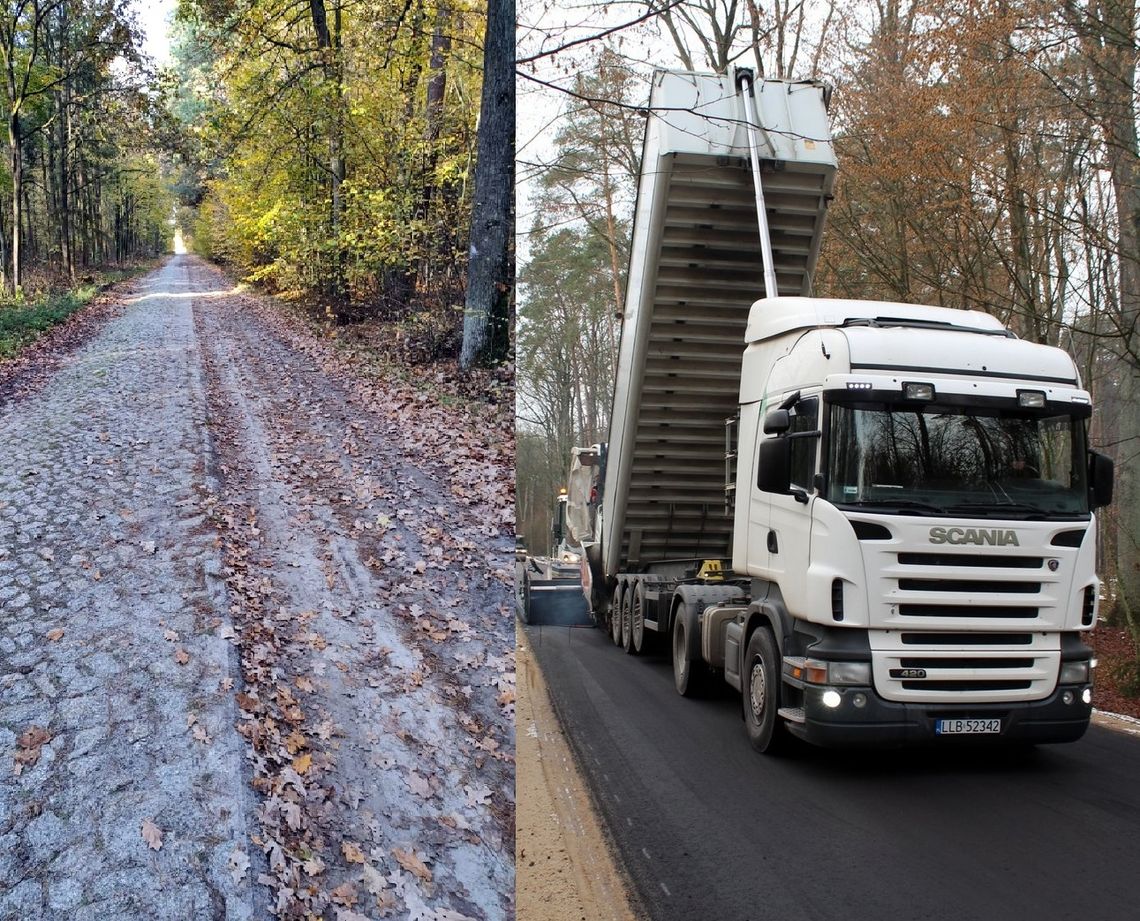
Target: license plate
966	727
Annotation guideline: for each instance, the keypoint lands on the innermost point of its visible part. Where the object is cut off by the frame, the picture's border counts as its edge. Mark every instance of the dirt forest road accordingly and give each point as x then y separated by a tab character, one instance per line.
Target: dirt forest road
256	650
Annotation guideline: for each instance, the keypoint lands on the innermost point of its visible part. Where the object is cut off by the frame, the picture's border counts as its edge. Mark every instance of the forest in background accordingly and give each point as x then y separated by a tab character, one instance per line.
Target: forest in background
80	184
330	151
988	159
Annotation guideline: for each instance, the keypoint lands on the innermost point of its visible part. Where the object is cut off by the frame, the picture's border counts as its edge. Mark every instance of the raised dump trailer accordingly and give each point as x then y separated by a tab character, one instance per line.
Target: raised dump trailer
873	520
694	272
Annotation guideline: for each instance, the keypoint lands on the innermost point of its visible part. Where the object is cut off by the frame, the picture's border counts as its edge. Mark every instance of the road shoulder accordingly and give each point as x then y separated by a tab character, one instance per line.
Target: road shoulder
564	869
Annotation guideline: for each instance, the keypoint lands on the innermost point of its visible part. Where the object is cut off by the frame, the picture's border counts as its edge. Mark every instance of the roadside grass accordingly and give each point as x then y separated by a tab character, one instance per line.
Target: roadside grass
22	321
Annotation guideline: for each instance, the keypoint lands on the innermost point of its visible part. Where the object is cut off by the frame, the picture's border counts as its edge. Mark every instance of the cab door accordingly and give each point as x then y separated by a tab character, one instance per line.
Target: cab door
789	523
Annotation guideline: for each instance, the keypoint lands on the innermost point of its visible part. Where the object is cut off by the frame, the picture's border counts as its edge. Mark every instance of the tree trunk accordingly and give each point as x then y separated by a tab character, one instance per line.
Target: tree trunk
486	318
16	169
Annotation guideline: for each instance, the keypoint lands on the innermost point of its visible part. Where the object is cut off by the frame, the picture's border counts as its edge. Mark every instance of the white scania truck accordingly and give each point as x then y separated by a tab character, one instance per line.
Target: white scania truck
875	524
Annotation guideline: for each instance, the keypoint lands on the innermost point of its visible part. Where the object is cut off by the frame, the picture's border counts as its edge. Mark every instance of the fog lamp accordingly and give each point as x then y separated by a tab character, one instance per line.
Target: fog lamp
859	699
831	699
1086	695
1067	698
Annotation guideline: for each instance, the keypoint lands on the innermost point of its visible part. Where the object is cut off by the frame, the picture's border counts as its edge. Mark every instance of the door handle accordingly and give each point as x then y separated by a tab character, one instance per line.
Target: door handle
773	544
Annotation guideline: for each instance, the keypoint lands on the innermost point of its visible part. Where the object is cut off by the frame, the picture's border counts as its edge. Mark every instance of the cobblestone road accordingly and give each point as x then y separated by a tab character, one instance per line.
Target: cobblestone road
114	665
202	510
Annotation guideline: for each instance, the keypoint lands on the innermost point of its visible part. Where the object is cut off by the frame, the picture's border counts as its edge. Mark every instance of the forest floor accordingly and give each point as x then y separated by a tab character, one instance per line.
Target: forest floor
256	638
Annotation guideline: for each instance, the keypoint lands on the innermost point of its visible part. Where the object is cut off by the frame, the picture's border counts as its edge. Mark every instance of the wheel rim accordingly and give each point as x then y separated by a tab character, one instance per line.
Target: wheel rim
679	662
638	621
625	625
615	618
758	689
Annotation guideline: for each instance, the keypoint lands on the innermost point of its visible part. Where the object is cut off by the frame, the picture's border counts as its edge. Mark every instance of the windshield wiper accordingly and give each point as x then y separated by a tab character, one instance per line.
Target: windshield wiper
998	510
899	506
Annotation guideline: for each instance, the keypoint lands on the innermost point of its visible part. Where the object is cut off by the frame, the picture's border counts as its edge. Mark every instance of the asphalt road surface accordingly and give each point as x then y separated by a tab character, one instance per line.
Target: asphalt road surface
708	829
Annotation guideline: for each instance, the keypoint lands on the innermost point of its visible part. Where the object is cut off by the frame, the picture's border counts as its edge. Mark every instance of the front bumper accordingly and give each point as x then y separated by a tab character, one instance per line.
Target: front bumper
882	722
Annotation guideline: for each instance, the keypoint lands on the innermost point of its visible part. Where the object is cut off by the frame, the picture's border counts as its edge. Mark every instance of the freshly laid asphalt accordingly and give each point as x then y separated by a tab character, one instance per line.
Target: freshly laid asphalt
707	829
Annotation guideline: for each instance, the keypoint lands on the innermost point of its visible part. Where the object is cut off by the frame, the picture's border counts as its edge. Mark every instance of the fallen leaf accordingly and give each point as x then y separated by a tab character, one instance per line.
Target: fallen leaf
411	862
151	834
31	740
314	866
304	684
239	864
201	735
352	853
181	656
170	636
344	894
292	813
477	794
374	880
302	763
418	785
55	635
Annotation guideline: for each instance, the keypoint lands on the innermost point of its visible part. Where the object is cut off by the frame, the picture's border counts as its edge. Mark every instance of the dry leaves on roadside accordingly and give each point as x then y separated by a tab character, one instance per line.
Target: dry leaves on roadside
55	635
30	742
151	834
181	656
412	862
238	864
352	853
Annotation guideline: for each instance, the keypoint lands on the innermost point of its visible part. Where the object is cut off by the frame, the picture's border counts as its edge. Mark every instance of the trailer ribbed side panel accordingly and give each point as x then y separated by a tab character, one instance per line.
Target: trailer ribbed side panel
695	273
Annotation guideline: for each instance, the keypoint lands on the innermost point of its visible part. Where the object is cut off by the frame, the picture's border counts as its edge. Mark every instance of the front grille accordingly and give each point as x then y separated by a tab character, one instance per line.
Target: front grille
967	639
973	610
965	667
966	663
957	686
992	561
969	585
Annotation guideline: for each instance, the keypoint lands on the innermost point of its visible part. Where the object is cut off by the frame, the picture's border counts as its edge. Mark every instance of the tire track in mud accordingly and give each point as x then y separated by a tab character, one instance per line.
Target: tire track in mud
376	642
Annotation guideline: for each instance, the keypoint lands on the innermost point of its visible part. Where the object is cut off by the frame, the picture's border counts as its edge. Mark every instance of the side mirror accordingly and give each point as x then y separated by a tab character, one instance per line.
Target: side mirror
1101	475
775	463
777	422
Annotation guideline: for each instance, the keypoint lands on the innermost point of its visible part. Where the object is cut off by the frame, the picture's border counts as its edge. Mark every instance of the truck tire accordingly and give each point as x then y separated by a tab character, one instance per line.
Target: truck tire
615	615
761	678
637	644
690	677
626	613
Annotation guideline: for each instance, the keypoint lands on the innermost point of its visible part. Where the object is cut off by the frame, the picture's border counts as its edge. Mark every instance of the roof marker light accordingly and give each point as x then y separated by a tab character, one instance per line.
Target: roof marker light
923	392
1031	399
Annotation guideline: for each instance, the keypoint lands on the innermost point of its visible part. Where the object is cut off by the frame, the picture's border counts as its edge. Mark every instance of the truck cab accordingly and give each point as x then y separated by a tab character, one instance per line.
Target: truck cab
914	505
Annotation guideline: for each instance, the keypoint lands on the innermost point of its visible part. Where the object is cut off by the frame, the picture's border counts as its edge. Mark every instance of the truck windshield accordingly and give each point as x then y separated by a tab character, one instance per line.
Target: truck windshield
957	460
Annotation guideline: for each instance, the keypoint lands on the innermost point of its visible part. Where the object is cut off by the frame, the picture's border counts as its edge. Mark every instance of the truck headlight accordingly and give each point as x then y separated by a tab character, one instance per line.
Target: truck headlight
1074	672
837	673
857	673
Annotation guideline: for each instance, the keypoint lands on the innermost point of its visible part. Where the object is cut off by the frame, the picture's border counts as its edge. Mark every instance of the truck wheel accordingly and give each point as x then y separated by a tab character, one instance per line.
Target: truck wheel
637	643
626	614
689	677
762	692
615	616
